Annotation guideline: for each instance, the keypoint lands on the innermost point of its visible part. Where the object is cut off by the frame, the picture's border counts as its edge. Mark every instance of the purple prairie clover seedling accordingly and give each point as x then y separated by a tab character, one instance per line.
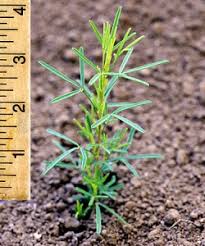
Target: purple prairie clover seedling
95	161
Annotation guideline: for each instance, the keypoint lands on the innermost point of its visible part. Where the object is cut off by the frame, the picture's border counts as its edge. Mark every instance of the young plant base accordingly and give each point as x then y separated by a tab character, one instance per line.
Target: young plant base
98	157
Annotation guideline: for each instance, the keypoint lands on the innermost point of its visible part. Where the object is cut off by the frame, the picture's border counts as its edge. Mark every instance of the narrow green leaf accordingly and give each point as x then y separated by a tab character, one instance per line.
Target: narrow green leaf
131	136
58	145
110	194
125	60
120	44
58	73
106	36
127	104
113	74
132	105
66	96
135	79
91	202
136	41
130	167
110	210
144	156
98	219
110	86
94	79
105	149
84	158
78	189
87	92
119	150
82	68
111	182
150	65
58	159
66	165
117	186
107	167
88	122
85	59
96	31
101	121
116	22
62	136
129	123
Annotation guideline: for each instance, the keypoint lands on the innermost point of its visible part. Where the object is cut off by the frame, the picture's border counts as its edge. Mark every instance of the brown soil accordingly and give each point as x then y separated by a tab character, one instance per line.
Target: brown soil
168	191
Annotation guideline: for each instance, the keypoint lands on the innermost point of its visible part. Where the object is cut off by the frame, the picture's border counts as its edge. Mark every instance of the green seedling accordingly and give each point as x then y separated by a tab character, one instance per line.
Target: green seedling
96	159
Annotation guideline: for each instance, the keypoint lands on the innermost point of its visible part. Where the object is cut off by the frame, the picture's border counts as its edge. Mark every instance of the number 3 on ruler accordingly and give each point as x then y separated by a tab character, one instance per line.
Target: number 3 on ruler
19	59
20	10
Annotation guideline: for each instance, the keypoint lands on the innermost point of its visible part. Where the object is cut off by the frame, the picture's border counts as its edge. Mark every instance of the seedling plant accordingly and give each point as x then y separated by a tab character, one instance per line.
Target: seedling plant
96	159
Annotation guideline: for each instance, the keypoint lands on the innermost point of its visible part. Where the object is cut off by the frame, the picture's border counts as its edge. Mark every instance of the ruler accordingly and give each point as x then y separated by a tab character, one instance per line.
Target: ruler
14	99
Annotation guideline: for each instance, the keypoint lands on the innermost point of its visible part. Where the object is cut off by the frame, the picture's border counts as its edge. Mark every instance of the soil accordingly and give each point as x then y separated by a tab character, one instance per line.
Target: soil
166	205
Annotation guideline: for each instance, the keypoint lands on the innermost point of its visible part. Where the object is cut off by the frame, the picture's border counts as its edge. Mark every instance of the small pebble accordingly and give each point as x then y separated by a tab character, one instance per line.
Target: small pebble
202	91
130	204
71	223
171	217
184	242
182	157
37	235
195	214
202	243
136	182
154	233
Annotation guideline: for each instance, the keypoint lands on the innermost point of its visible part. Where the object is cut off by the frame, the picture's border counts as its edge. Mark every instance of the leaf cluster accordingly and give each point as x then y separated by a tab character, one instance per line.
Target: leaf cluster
96	159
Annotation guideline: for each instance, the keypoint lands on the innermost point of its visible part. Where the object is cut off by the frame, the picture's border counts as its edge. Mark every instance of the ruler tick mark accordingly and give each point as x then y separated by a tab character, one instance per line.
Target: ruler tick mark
11	102
13	5
6	162
11	150
6	89
10	175
12	53
9	126
6	41
8	77
7	17
6	65
9	29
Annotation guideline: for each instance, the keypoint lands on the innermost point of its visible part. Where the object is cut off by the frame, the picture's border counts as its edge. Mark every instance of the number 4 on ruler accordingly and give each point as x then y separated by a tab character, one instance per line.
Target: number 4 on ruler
18	154
20	10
